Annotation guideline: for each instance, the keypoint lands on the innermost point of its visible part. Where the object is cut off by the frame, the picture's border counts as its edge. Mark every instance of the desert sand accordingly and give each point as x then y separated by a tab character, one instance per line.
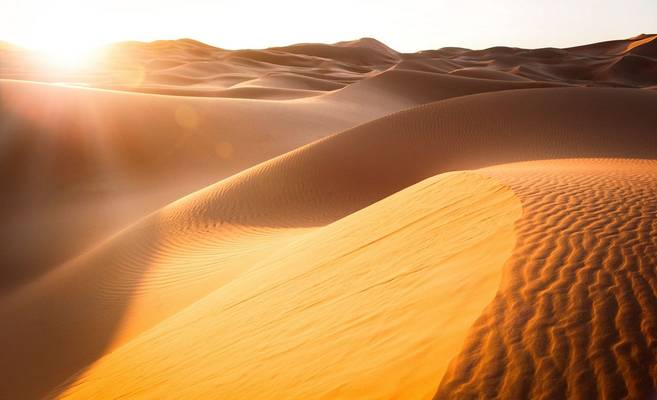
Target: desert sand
330	221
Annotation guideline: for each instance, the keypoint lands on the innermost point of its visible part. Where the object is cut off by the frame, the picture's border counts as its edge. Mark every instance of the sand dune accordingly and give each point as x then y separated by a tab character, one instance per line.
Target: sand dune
340	292
574	315
177	137
97	148
330	221
196	68
125	145
327	330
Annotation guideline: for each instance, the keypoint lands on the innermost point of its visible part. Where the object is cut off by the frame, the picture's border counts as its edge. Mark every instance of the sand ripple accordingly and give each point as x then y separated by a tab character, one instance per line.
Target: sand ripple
575	315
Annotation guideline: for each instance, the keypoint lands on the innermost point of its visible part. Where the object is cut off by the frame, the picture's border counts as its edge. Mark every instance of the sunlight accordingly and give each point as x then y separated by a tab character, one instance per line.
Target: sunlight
67	57
63	40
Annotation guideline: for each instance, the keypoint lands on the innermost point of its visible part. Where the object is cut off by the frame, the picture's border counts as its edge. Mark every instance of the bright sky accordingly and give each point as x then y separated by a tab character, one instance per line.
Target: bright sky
406	25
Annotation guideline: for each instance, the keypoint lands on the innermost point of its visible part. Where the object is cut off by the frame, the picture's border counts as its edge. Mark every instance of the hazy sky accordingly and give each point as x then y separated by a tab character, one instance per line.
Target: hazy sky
405	25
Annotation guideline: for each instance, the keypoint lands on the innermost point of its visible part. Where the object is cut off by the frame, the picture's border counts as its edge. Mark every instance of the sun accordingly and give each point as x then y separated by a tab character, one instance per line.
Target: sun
64	33
67	56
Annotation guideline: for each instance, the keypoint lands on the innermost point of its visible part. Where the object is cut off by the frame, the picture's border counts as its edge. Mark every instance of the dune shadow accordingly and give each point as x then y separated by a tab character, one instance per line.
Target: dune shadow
68	318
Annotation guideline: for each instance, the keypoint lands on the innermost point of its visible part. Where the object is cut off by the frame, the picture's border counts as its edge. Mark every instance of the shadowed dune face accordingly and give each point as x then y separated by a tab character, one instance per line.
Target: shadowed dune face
340	249
77	152
78	164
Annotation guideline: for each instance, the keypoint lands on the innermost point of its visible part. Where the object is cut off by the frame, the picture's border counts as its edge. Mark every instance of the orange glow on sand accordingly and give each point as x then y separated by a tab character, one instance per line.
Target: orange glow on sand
323	221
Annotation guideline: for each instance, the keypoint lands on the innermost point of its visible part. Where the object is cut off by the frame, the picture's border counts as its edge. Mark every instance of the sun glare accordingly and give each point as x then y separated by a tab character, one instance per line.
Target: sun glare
67	57
67	34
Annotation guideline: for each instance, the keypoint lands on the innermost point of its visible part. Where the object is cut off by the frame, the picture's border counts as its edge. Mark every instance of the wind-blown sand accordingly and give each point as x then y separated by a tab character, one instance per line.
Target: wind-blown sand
330	221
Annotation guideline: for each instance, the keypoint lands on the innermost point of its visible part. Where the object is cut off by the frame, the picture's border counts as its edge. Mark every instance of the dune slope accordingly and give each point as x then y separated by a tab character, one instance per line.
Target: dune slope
309	329
77	152
301	320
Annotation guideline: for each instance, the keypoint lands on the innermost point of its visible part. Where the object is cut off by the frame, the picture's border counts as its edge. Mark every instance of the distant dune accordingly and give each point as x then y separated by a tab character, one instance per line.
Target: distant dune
324	221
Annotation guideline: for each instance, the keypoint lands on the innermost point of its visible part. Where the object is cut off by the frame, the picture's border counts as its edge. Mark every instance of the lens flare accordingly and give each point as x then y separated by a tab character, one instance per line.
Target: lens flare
67	57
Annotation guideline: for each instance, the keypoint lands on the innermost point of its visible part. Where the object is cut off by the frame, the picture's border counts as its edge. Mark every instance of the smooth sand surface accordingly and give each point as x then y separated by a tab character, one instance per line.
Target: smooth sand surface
330	221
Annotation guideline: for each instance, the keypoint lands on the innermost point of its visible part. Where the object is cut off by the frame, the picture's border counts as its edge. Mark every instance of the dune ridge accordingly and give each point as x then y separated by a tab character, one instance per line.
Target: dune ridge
322	221
198	69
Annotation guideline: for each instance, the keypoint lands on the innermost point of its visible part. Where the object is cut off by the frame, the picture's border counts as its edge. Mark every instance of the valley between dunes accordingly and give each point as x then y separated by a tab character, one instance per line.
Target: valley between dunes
330	221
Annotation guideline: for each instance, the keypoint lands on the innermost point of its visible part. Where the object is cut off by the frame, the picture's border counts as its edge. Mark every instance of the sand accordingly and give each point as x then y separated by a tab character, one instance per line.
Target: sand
574	316
330	221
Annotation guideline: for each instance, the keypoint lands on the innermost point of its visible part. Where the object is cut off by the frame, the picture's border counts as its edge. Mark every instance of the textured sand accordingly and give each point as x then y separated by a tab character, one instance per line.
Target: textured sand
330	221
574	316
